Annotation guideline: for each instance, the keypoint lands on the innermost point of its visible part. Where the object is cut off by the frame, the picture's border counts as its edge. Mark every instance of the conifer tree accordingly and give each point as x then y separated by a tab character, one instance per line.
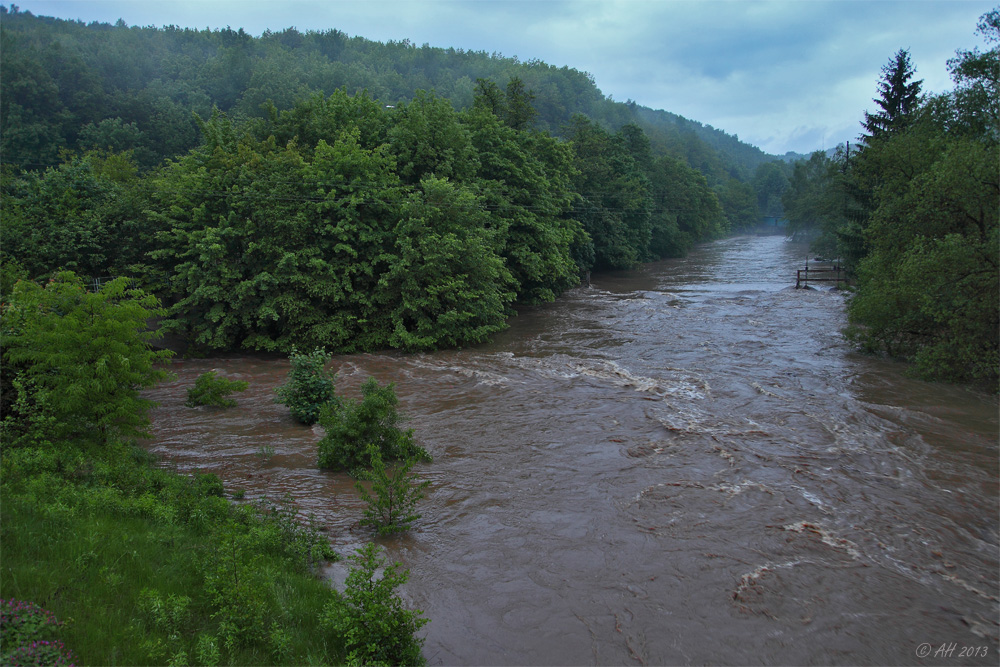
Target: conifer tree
898	98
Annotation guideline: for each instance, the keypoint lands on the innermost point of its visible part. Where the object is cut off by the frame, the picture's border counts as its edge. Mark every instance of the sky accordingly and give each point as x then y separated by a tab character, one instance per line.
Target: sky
781	75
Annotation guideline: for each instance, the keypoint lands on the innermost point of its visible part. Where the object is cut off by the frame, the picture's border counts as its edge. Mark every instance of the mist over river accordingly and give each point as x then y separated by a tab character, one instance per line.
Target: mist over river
683	464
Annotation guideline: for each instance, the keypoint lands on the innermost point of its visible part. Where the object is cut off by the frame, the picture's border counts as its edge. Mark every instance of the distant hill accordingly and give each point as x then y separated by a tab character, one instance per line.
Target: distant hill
67	84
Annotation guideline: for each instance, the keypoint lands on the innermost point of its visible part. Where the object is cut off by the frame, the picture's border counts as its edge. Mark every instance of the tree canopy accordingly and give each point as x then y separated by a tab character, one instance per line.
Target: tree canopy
914	215
312	190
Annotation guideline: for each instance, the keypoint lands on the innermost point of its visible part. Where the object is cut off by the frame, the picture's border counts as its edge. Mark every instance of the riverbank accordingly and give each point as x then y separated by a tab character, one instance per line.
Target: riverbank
109	559
684	447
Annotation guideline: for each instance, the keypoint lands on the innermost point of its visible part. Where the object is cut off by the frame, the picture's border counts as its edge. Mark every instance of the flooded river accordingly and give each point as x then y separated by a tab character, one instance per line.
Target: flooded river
683	464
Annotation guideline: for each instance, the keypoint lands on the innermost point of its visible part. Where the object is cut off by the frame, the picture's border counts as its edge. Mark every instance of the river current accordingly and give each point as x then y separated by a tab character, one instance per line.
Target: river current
683	464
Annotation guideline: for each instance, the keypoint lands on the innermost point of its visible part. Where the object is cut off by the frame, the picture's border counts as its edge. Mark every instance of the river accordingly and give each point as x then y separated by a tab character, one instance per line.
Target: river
682	464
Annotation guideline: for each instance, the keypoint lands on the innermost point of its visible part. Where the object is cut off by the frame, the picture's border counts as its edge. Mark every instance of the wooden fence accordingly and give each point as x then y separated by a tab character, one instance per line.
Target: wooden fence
820	274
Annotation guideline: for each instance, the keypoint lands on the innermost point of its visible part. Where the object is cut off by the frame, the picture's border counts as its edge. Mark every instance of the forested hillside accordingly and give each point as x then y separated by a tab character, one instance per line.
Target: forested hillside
314	189
71	85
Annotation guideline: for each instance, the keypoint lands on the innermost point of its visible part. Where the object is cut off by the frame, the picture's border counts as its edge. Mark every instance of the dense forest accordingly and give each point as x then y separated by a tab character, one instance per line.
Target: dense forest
71	85
343	224
912	209
316	190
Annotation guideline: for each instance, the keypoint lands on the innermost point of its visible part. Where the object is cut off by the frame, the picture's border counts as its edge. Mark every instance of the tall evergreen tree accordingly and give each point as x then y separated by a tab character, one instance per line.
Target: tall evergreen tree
898	98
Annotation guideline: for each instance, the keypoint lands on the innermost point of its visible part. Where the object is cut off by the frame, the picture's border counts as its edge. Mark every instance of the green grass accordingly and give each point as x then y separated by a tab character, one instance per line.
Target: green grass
100	543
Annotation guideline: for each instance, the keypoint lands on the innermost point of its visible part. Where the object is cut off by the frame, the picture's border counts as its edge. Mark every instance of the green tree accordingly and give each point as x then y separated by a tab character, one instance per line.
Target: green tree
351	426
86	215
927	289
292	255
739	204
615	201
31	114
770	181
977	80
80	359
806	191
519	111
369	616
447	284
427	140
391	503
524	181
685	209
898	98
310	387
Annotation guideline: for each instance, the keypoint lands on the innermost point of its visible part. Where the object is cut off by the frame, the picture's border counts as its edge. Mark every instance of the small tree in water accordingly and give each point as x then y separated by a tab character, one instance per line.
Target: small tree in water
351	426
369	616
210	389
393	497
310	386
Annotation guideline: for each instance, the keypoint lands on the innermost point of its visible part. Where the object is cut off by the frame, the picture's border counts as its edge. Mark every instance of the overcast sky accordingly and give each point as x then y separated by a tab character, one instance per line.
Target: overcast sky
783	76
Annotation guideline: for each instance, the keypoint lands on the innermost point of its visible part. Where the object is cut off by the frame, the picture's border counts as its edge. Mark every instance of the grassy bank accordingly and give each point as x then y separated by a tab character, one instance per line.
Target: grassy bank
145	566
129	564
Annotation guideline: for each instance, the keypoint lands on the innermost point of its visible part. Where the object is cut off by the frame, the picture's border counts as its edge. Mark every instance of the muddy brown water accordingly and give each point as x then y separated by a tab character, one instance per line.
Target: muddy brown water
683	464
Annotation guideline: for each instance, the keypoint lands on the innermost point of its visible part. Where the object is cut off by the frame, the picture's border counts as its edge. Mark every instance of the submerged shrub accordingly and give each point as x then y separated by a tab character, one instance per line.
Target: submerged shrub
393	496
351	426
210	389
309	387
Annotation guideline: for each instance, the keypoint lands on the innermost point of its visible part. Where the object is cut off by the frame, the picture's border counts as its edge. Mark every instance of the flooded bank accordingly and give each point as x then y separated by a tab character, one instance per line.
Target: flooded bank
681	464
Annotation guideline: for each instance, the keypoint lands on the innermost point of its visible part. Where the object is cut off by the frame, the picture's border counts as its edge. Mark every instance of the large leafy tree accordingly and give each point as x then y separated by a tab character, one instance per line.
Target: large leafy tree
739	203
615	201
928	289
977	80
816	203
269	246
685	209
313	240
78	360
513	106
85	215
524	181
447	284
428	139
770	181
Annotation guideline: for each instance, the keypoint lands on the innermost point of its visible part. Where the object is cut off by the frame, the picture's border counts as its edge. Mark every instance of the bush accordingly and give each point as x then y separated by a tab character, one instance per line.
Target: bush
239	587
26	636
351	426
393	497
170	616
80	360
310	386
210	389
369	617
